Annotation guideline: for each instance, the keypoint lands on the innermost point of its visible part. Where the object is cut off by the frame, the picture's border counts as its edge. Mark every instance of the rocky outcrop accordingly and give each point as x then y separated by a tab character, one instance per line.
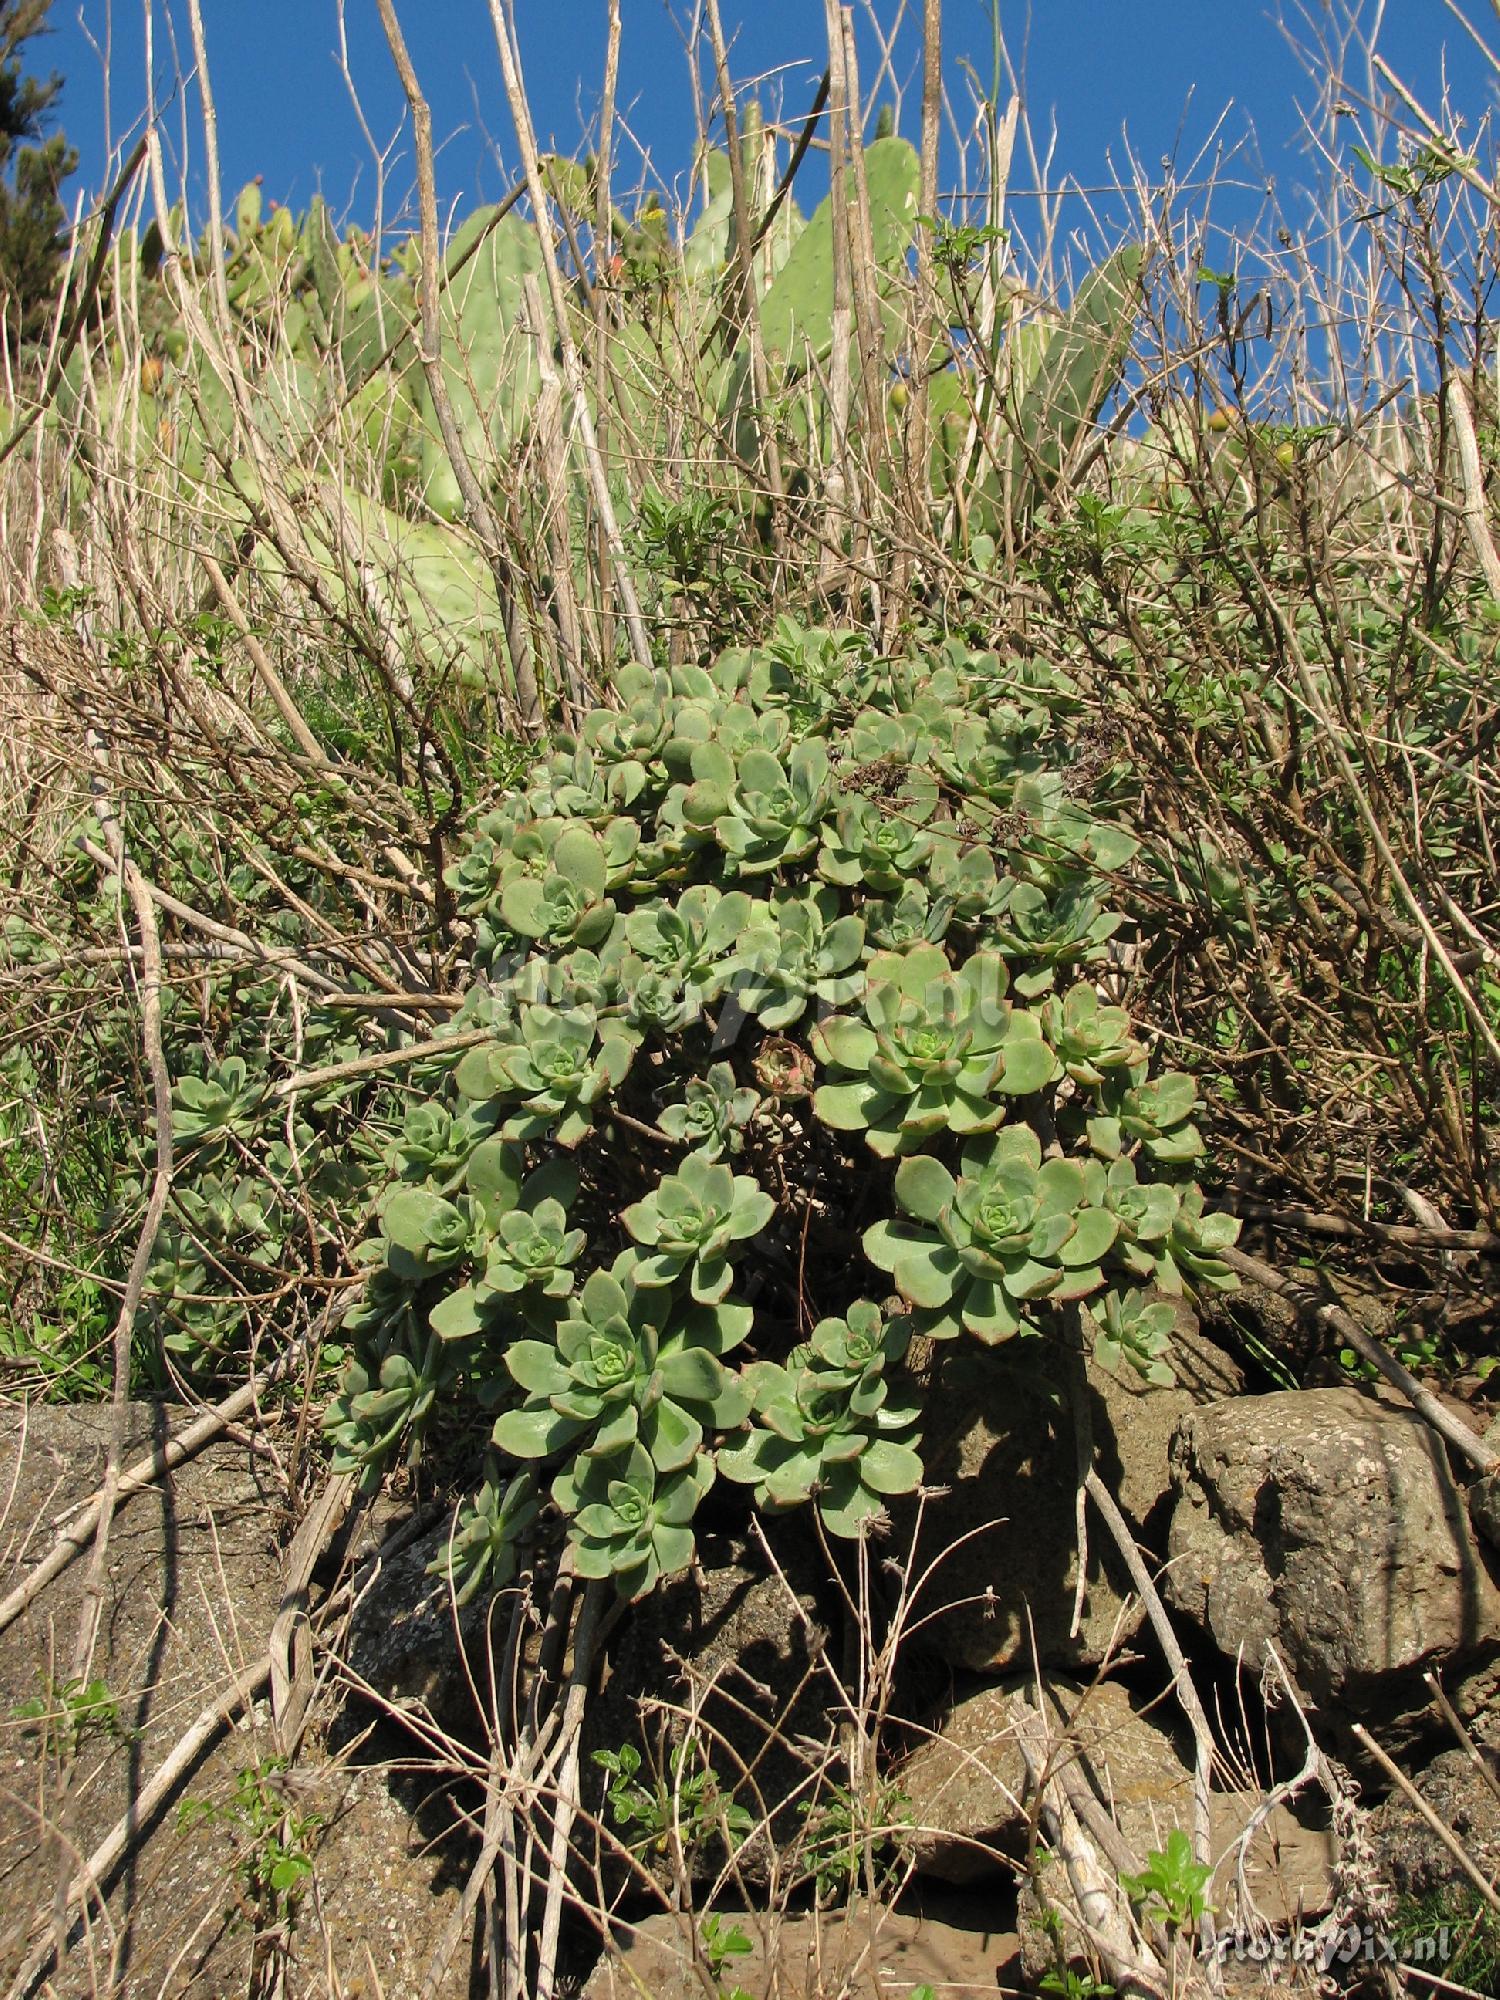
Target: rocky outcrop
1327	1522
997	1552
953	1944
1324	1522
1484	1509
735	1655
1467	1799
412	1643
731	1654
970	1799
192	1588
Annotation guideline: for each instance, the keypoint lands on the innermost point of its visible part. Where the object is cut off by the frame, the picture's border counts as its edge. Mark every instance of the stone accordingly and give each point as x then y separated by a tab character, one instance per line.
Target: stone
961	1946
1327	1522
1484	1508
192	1588
736	1655
972	1806
413	1644
968	1787
1289	1875
1407	1851
997	1552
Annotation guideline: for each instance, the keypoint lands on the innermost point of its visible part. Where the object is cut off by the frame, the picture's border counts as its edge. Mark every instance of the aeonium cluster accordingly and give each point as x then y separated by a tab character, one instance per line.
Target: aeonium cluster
788	1042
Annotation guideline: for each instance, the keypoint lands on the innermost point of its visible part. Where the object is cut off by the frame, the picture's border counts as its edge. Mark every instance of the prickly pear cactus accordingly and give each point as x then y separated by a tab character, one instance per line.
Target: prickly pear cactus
1059	391
489	363
797	312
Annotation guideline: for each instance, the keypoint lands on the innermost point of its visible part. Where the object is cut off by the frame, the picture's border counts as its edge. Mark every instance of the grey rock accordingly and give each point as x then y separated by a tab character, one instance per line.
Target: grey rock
970	1797
192	1588
1327	1522
999	1545
1484	1508
730	1644
955	1944
1408	1852
412	1643
734	1656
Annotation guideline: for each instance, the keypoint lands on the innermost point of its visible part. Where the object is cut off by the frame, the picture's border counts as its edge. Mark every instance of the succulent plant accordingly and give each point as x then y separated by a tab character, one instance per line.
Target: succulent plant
475	877
1133	1329
426	1233
532	1249
514	858
1090	1040
986	758
587	788
219	1229
529	1252
567	905
570	980
762	814
636	732
1061	837
803	673
798	949
656	1002
374	1410
563	1063
1011	1229
495	1175
1190	1259
689	1222
629	1521
692	873
895	924
855	1351
738	727
383	1313
1157	1112
784	1069
713	1113
673	859
879	740
612	1377
1145	1212
937	1050
826	1429
435	1143
880	846
804	690
965	882
481	1547
223	1105
693	940
1032	929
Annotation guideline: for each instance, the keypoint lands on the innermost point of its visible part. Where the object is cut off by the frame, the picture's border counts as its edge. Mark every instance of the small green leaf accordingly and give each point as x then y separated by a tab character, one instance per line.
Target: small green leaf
457	1316
534	1433
924	1187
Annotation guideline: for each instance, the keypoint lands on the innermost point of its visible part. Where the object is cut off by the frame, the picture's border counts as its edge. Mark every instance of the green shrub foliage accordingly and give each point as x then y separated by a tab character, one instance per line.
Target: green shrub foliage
790	975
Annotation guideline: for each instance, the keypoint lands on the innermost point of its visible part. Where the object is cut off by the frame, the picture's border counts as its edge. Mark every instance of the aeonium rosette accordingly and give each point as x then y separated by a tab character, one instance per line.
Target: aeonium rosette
1011	1230
937	1050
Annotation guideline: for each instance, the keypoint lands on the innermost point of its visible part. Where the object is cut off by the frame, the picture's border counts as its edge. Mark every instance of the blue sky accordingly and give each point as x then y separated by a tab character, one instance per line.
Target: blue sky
1162	70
